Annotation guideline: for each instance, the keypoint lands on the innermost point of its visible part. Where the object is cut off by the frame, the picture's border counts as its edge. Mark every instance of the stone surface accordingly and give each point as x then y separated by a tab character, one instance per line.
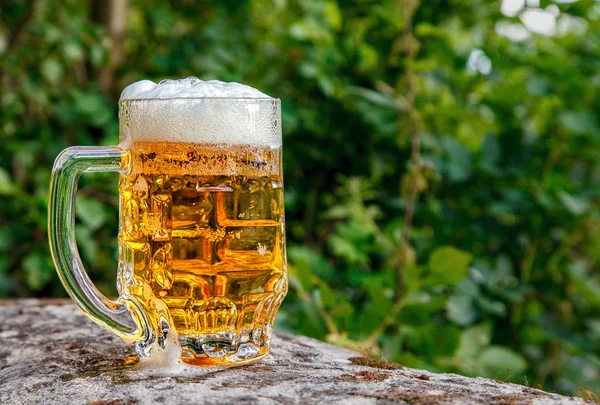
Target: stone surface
51	353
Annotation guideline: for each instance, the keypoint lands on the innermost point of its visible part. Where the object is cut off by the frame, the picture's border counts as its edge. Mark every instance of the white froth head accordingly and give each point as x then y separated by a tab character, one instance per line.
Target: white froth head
195	111
190	87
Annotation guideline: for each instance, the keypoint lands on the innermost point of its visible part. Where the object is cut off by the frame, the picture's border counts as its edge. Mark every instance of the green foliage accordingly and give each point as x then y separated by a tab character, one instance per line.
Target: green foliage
501	269
449	264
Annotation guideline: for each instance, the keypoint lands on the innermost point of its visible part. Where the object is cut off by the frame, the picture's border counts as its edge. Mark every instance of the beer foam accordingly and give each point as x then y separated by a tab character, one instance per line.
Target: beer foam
167	361
190	87
195	111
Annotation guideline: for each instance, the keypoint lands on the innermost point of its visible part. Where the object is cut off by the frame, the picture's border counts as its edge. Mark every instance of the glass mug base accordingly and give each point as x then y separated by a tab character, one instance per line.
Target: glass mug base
213	352
226	361
219	353
239	346
230	334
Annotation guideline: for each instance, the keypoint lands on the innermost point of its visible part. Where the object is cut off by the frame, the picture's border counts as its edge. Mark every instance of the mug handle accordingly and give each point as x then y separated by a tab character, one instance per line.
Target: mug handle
123	319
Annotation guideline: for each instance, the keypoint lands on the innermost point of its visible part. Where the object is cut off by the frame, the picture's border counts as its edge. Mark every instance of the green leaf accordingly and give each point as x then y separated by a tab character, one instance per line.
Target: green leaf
500	360
334	17
3	42
459	166
327	295
447	340
369	57
450	264
97	54
472	340
587	286
372	314
461	310
7	187
6	284
490	154
51	70
490	306
375	97
350	242
346	249
38	271
87	242
342	309
336	212
300	269
412	278
579	122
73	51
91	212
326	85
576	205
7	235
392	346
311	260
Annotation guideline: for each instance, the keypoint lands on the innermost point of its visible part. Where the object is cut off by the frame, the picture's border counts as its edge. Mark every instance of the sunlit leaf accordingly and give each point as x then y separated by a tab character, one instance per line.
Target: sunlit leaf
6	185
449	263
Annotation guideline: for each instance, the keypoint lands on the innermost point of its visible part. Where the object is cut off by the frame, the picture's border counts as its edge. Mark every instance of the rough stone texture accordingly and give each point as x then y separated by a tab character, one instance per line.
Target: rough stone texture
51	353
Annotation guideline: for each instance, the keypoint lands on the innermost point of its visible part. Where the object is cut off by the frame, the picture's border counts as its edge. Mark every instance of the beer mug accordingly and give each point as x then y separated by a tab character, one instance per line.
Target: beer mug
201	223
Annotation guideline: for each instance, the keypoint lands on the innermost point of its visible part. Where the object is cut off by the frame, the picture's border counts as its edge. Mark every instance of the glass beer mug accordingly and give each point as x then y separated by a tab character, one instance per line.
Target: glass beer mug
201	223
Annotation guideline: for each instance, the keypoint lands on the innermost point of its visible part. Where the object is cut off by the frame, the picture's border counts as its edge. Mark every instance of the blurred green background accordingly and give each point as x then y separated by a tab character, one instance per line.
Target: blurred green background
442	163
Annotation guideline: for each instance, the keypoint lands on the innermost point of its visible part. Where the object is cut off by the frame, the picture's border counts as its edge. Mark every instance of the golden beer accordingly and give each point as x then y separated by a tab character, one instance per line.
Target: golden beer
202	245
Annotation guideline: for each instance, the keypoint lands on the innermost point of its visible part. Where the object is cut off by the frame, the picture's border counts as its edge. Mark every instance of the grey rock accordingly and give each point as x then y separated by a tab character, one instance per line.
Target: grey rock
51	353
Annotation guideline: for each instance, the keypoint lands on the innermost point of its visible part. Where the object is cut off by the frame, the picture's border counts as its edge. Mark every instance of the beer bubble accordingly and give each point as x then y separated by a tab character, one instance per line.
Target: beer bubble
197	111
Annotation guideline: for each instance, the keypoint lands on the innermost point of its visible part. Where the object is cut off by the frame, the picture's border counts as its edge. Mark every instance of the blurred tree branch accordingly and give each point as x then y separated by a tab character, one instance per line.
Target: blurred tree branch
111	14
406	46
408	50
15	35
20	26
